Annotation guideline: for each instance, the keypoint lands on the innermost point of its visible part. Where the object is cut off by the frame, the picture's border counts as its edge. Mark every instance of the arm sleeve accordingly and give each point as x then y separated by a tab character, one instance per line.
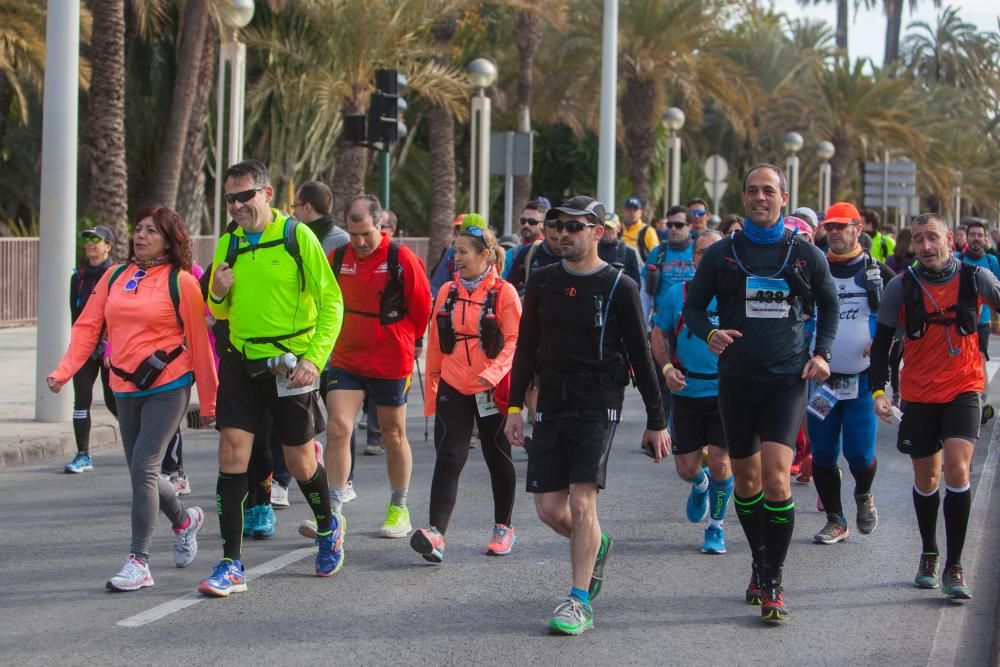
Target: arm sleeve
892	303
827	305
526	354
988	288
85	332
628	310
416	291
192	309
701	290
509	316
325	291
433	360
878	371
219	310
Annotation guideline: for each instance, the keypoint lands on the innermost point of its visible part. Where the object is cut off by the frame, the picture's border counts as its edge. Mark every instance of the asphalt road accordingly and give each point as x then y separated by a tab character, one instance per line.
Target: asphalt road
664	602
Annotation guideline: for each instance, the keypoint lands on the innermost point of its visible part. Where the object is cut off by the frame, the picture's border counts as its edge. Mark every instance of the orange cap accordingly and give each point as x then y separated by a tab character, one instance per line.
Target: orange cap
842	211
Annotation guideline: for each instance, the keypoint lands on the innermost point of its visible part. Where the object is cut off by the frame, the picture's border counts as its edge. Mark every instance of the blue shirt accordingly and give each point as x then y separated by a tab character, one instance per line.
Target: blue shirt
508	261
678	266
253	237
987	261
692	351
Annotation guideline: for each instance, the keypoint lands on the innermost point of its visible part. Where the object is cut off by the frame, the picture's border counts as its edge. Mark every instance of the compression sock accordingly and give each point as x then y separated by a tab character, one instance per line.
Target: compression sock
317	492
828	487
926	507
864	478
957	505
230	494
81	431
581	595
718	498
778	526
751	514
337	495
398	497
700	480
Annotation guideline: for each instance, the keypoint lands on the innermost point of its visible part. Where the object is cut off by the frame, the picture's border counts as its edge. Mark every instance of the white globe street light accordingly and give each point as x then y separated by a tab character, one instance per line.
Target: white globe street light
480	73
673	120
825	150
793	144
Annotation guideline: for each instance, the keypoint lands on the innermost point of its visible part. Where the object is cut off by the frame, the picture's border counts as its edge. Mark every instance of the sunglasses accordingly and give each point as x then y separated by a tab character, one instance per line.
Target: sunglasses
92	239
242	197
571	226
133	284
474	231
697	213
838	226
530	221
677	225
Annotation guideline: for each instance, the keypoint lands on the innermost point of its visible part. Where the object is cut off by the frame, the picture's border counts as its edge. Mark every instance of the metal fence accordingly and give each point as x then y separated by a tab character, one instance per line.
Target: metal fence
19	274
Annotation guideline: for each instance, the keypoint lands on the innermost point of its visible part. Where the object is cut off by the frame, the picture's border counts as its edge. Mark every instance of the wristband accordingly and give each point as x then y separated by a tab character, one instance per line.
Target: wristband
708	339
665	369
513	410
877	393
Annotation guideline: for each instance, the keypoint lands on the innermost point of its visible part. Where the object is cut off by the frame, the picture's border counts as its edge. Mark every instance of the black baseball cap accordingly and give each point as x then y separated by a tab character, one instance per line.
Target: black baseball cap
633	202
101	232
579	205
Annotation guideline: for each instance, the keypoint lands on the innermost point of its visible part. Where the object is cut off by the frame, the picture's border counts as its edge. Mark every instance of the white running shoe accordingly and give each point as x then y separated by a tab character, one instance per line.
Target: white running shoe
350	494
279	496
186	540
133	576
308	529
181	484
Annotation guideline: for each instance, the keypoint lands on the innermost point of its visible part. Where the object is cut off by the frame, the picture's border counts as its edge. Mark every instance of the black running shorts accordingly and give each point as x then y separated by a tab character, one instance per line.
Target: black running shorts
242	399
926	426
695	423
756	412
568	451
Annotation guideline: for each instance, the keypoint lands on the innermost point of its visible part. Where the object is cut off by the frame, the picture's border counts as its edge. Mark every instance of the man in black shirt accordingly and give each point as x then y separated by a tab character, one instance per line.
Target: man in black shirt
765	279
581	330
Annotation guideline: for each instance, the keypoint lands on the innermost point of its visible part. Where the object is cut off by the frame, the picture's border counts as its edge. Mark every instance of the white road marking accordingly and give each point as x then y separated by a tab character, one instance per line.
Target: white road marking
185	601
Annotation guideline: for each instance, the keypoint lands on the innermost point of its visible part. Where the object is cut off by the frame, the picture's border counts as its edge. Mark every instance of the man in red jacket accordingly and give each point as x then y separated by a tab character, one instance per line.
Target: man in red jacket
387	305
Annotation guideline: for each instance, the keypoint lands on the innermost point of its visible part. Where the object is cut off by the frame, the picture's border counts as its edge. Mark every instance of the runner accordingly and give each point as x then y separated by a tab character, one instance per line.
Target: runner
937	304
469	353
765	280
849	420
692	374
581	329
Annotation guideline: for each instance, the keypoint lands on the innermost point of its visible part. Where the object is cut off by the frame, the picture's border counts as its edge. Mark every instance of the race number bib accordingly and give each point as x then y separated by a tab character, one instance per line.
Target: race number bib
821	402
844	386
768	298
284	390
485	404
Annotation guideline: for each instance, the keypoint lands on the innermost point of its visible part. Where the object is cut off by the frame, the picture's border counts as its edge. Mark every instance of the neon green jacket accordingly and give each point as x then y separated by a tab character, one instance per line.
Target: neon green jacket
883	245
266	297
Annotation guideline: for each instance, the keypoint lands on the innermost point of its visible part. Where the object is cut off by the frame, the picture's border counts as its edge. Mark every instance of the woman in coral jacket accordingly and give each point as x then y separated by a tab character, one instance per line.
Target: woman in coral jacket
469	354
153	314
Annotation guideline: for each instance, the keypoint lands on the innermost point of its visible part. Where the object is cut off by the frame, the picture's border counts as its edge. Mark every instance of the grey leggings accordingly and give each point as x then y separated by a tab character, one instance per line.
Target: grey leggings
147	426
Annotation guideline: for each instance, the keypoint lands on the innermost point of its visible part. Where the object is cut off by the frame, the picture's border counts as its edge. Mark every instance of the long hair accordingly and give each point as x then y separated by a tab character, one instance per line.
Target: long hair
172	227
484	239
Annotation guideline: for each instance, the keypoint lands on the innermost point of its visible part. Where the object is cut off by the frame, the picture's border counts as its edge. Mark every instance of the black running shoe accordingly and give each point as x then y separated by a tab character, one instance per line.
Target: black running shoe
773	609
754	589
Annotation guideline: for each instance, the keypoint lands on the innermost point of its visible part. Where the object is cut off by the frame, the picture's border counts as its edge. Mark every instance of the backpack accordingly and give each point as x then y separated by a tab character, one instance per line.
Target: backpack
289	240
964	314
643	250
175	290
489	329
392	306
529	257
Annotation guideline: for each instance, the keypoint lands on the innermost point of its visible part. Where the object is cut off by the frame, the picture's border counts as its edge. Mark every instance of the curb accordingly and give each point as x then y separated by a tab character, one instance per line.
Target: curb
58	445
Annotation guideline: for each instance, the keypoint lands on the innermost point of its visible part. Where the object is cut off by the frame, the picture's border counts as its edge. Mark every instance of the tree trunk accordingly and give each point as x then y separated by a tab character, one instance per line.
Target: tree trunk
528	31
5	99
893	26
106	122
842	21
193	28
351	163
839	163
636	108
441	143
191	192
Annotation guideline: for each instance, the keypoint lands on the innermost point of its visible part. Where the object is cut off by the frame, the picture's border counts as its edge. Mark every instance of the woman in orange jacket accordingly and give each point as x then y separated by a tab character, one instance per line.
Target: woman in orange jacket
469	354
152	312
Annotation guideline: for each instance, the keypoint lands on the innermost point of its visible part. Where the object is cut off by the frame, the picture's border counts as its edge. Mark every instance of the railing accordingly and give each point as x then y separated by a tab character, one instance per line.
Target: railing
19	273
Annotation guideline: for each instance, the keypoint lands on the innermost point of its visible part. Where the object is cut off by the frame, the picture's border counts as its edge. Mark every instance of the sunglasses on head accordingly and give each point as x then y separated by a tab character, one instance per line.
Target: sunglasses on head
571	226
677	225
242	197
838	226
133	283
474	231
530	221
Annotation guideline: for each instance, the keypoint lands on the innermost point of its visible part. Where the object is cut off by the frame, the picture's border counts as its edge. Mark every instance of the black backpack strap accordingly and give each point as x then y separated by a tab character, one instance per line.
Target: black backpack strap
338	259
233	249
292	246
643	250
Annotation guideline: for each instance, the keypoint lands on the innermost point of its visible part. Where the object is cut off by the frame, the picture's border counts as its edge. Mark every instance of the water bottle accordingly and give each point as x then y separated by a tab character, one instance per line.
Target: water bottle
282	364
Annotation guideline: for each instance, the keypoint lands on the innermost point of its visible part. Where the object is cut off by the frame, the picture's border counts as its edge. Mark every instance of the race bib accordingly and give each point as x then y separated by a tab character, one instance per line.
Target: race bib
485	404
768	298
281	382
821	403
844	386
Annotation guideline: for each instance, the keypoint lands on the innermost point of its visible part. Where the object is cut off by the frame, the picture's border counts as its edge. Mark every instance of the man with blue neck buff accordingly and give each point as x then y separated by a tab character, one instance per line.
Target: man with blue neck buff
764	280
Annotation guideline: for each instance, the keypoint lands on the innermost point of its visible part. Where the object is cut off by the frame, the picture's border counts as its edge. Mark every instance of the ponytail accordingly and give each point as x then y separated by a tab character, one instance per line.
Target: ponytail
484	239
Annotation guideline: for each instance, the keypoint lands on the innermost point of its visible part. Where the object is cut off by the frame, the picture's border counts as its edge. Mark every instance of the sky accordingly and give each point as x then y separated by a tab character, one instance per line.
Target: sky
866	33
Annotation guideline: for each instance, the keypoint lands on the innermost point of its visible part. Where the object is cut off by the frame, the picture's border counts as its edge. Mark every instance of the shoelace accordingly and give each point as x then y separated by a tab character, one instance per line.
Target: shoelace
131	568
571	608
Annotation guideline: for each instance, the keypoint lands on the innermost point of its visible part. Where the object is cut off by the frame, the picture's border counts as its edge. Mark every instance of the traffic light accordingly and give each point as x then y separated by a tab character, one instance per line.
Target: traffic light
386	107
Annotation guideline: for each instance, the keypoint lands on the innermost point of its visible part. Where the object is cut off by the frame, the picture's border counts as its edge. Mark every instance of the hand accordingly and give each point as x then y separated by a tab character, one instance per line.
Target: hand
223	280
722	339
883	409
54	384
816	369
660	440
675	379
207	420
305	374
106	361
868	350
514	429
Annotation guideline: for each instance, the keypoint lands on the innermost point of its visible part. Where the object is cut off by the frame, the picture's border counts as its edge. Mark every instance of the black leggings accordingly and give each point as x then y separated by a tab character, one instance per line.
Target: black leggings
83	398
456	416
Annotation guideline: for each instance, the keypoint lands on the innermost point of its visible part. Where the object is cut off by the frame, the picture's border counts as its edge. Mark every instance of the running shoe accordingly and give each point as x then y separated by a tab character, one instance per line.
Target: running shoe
374	449
927	572
264	522
133	576
397	522
349	494
867	517
953	584
805	470
249	519
603	555
834	531
186	539
330	556
755	591
80	463
179	480
772	608
572	617
307	529
986	415
697	503
429	543
227	577
279	496
502	542
319	451
715	540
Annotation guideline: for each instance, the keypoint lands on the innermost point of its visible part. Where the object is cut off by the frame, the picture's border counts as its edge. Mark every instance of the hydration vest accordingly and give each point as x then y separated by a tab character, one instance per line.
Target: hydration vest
732	281
964	313
490	336
392	306
288	239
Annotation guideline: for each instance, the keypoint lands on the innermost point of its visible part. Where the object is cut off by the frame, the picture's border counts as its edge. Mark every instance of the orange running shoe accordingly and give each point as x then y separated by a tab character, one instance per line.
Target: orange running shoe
502	542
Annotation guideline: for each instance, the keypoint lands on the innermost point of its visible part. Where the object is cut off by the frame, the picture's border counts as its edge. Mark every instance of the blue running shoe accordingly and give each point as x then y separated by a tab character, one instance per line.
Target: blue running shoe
227	577
80	463
330	557
697	504
249	520
715	541
264	522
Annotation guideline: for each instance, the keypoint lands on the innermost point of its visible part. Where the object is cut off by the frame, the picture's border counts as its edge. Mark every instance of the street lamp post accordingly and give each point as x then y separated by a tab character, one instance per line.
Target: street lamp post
793	144
825	150
232	53
481	73
673	120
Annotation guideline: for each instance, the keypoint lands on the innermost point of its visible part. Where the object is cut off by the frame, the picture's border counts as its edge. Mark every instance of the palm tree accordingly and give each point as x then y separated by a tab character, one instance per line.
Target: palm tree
950	52
893	28
22	56
843	18
191	190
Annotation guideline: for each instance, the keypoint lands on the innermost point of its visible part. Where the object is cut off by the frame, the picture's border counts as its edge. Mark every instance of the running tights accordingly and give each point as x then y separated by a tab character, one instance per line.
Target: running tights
83	397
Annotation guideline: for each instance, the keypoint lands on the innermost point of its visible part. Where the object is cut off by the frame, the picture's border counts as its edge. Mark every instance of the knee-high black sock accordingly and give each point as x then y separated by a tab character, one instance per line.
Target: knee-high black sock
751	514
864	478
828	487
230	494
317	492
926	508
957	505
81	431
778	526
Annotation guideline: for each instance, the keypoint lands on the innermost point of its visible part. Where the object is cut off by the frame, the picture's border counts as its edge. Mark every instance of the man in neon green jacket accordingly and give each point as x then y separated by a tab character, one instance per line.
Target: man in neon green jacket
883	245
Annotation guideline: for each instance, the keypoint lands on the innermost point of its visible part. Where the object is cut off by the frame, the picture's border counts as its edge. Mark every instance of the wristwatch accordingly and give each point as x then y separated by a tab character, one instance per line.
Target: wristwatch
826	355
